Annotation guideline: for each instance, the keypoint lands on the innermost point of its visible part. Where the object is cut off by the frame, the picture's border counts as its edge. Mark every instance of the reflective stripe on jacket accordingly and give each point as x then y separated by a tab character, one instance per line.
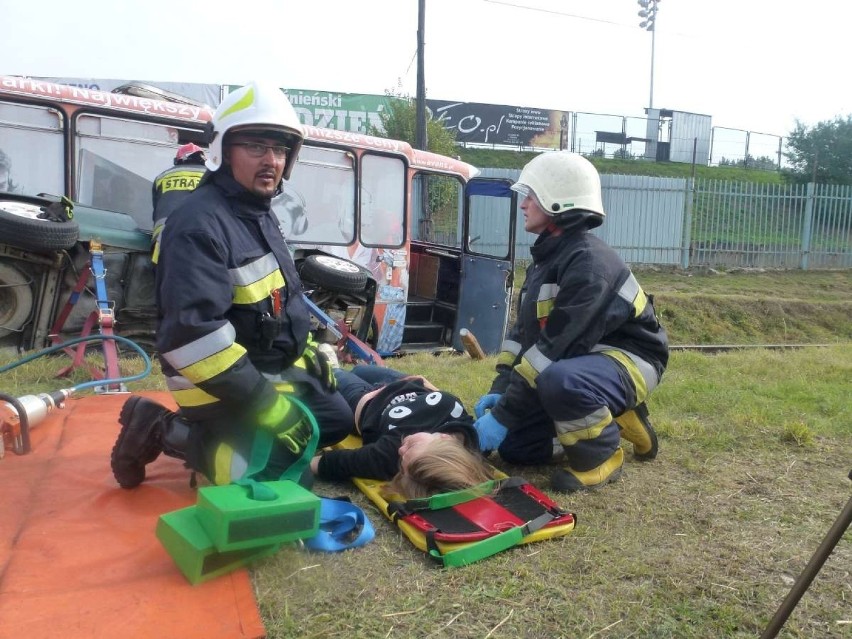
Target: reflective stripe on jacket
222	254
578	297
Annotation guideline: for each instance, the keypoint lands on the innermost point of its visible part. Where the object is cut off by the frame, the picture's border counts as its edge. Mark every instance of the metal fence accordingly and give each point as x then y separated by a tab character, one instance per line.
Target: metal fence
647	139
686	223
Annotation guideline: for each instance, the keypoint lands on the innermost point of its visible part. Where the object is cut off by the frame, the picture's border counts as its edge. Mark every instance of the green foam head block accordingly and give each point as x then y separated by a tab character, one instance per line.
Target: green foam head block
233	520
194	553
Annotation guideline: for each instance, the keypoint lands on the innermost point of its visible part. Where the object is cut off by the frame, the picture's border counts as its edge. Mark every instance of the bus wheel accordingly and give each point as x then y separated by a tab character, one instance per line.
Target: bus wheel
21	226
16	299
333	274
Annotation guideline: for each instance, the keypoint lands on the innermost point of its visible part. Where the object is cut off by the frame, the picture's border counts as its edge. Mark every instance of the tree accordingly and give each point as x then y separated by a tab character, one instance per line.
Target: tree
399	121
763	163
822	153
438	205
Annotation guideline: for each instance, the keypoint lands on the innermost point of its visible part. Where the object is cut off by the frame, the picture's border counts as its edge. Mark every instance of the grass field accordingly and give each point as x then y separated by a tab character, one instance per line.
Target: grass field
705	541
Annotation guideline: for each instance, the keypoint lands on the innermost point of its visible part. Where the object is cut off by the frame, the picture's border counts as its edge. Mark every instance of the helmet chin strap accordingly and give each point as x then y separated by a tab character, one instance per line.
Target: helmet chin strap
553	229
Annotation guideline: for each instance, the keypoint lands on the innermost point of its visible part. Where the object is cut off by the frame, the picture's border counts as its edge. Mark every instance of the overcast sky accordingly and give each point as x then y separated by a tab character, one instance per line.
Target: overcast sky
750	64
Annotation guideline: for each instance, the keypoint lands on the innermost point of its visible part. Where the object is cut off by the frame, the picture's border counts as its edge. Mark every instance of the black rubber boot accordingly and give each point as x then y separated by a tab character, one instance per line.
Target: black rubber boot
175	437
140	441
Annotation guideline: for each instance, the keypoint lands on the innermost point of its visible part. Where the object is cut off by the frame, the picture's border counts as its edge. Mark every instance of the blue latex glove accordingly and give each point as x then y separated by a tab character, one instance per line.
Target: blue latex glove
486	402
491	432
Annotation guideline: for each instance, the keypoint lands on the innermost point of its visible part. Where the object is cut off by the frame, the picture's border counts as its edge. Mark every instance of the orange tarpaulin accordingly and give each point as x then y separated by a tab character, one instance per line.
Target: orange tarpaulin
78	555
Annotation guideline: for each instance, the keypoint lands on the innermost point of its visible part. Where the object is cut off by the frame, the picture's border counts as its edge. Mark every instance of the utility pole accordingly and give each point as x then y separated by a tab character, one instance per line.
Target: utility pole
420	126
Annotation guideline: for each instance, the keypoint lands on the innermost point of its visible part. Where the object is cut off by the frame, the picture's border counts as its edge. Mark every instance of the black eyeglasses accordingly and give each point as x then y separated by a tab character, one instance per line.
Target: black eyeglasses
257	150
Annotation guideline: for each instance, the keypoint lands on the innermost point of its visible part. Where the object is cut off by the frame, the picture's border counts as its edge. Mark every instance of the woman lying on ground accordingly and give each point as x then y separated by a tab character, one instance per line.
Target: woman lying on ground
417	436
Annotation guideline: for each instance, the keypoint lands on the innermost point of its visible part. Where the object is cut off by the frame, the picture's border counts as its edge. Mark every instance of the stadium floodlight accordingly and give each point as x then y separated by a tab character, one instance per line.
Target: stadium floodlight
648	13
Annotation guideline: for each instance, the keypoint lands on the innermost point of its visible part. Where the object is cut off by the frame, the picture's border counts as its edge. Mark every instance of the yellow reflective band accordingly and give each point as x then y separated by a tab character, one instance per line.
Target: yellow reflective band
258	290
211	366
243	103
155	239
179	181
526	370
273	415
505	358
542	309
284	387
222	465
635	374
190	397
569	433
639	303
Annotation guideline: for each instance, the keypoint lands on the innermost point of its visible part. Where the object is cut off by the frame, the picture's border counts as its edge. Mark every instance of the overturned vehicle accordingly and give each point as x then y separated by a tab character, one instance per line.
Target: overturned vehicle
403	248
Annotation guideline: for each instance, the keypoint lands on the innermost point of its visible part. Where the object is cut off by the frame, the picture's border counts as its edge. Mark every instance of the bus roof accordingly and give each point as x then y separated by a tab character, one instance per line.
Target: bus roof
27	87
38	89
416	158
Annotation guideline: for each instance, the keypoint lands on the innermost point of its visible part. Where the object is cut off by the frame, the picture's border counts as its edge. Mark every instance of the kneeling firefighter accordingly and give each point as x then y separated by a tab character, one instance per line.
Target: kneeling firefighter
232	334
586	349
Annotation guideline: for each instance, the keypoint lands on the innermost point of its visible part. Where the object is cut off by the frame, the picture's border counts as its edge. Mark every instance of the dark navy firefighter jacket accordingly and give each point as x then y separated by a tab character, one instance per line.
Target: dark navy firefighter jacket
578	297
222	256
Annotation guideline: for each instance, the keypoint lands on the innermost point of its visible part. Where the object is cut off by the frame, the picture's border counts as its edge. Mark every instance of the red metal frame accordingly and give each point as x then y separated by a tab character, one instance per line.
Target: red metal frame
103	317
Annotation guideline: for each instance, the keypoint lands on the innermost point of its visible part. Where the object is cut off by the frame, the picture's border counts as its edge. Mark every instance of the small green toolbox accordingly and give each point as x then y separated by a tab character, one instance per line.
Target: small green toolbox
234	520
194	553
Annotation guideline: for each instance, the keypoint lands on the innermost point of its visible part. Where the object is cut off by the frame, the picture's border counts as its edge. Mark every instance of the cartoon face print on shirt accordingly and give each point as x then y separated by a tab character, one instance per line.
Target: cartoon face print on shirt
422	412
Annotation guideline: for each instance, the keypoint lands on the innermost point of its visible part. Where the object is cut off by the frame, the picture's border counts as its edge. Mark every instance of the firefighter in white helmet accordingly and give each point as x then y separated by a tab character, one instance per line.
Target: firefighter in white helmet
232	336
586	349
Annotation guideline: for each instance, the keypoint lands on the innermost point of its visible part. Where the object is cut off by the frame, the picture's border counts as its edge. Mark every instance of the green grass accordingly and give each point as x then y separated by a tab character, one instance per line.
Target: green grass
705	541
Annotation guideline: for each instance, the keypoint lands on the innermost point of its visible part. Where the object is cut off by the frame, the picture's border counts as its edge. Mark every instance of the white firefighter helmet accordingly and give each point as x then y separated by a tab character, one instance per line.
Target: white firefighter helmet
253	107
562	181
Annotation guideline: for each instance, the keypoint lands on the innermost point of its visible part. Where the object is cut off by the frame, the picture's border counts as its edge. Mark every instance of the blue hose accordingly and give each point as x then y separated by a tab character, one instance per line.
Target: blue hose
89	338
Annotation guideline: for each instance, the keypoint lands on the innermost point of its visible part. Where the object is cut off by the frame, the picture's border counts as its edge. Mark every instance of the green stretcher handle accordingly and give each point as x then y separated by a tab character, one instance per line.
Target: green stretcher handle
480	549
456	497
445	500
490	546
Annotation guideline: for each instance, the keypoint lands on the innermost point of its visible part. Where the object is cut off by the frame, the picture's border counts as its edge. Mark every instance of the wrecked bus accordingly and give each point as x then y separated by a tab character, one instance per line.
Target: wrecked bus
432	243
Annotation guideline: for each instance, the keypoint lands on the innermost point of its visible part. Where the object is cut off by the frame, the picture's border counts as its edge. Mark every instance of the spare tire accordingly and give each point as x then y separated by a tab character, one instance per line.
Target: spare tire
333	274
21	226
16	299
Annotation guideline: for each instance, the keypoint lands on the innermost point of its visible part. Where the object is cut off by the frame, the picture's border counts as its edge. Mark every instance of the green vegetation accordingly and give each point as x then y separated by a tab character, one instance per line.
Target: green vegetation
823	151
752	307
488	158
399	122
705	541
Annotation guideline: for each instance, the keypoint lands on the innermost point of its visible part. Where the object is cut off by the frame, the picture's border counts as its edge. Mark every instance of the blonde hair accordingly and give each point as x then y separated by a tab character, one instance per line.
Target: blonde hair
443	466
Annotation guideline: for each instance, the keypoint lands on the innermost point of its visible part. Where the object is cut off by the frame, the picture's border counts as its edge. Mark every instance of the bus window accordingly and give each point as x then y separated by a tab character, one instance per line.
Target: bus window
489	226
436	204
317	205
382	200
117	162
32	153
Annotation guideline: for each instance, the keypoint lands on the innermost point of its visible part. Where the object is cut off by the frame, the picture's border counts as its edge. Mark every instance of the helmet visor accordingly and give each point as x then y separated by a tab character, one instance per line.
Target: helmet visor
284	136
526	191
